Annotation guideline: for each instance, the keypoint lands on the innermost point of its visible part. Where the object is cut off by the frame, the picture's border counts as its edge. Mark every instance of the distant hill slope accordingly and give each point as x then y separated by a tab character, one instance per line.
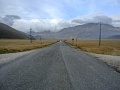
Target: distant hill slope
44	35
114	37
85	31
88	31
8	32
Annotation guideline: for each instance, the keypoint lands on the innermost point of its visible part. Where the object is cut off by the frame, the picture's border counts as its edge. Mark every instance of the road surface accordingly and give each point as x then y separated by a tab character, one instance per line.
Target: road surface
58	67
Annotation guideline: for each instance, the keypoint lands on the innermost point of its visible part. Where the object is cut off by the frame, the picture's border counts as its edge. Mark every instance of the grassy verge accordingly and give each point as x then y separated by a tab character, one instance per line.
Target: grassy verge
10	46
109	47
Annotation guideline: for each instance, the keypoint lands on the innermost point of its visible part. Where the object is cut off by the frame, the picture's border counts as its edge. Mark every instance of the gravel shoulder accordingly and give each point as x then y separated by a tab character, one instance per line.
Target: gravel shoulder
4	58
113	61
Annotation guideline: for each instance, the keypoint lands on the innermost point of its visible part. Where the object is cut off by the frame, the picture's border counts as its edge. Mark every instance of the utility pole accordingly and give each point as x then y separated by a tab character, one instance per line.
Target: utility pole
30	35
100	35
76	41
40	40
72	40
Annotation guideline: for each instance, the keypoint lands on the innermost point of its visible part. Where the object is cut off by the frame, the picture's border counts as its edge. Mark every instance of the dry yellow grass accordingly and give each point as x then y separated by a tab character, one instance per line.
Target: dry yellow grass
8	46
110	47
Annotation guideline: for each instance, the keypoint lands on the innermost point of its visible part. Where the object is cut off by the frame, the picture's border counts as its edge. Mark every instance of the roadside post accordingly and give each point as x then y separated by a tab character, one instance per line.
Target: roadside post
30	35
72	40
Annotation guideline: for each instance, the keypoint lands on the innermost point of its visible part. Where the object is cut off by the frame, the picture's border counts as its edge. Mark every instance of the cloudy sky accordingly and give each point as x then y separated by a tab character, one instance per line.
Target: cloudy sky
57	14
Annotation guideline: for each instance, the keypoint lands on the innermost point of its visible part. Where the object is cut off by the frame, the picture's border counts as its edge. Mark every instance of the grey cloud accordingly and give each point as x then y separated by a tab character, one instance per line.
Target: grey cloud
103	19
64	24
58	24
95	19
9	19
80	21
116	20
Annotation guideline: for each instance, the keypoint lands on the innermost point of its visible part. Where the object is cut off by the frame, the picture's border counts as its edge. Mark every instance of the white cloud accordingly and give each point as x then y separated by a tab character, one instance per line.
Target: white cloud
56	24
53	12
116	20
114	2
63	13
40	24
21	25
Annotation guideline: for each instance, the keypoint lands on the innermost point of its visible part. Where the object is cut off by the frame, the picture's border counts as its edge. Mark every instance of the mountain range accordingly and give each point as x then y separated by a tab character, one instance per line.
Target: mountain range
7	32
85	31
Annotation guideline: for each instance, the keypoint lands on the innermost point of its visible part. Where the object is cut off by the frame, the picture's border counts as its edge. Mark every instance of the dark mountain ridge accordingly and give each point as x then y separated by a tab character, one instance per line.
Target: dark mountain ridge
7	32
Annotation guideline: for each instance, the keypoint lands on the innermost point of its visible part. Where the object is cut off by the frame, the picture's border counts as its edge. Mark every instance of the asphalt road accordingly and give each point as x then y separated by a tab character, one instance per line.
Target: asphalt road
58	67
